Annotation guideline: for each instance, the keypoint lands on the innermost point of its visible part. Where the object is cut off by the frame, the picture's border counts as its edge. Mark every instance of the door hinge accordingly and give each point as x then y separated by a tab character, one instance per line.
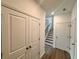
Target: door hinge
70	25
56	37
69	37
69	48
38	52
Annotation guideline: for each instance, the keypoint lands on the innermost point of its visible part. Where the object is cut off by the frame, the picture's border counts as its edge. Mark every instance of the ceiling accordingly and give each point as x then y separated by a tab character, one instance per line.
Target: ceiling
56	6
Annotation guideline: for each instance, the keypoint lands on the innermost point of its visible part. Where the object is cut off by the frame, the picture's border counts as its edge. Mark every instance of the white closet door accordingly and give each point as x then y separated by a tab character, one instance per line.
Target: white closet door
34	51
62	32
73	42
13	34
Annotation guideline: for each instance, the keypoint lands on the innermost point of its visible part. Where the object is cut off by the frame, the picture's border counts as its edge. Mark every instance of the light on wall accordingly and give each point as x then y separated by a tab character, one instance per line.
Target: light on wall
52	13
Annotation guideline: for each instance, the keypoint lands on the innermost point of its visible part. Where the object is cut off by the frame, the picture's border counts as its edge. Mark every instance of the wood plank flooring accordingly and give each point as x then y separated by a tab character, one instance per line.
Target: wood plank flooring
56	54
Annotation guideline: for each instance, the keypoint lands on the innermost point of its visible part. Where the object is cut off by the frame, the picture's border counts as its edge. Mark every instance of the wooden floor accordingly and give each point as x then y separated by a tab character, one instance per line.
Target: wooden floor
56	54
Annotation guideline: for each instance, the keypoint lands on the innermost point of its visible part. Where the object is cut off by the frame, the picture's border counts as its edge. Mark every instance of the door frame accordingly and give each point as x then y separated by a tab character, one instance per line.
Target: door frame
55	37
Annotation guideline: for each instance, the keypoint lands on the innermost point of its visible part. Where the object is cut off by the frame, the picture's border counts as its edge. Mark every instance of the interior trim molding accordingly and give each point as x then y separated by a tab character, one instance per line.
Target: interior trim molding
42	54
15	9
63	22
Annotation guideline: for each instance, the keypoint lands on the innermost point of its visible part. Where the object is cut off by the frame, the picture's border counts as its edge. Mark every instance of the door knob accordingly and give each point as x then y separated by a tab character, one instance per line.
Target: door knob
73	43
30	46
27	48
56	36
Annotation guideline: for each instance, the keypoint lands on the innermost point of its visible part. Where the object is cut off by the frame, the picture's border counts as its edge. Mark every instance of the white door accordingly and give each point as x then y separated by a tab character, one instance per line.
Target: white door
34	51
62	33
20	35
73	44
13	35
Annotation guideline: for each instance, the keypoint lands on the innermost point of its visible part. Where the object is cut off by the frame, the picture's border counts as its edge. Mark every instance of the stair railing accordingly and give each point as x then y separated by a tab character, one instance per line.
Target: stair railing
48	29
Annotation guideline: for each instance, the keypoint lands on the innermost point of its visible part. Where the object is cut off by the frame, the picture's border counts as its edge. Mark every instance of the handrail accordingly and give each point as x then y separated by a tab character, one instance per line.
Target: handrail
47	30
47	27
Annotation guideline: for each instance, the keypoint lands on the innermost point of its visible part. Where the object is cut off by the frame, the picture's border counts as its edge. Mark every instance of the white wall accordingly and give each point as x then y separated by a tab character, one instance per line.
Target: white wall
62	18
73	51
32	8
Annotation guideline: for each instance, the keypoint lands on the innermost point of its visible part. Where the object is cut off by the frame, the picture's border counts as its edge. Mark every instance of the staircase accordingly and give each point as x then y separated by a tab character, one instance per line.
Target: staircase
49	39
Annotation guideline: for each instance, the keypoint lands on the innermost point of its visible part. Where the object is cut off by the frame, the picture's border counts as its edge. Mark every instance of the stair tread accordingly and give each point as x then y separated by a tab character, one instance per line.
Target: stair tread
49	42
50	35
49	39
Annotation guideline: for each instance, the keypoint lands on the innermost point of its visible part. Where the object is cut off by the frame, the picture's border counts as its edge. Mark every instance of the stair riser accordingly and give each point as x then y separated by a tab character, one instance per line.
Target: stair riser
49	42
49	39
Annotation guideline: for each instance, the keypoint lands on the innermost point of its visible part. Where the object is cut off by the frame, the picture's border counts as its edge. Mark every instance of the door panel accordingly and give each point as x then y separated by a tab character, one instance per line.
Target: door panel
35	51
13	34
19	32
35	31
17	36
62	32
34	34
16	54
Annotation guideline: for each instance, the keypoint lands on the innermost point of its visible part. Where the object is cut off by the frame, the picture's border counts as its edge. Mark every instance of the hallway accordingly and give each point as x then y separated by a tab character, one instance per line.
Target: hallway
56	54
38	29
